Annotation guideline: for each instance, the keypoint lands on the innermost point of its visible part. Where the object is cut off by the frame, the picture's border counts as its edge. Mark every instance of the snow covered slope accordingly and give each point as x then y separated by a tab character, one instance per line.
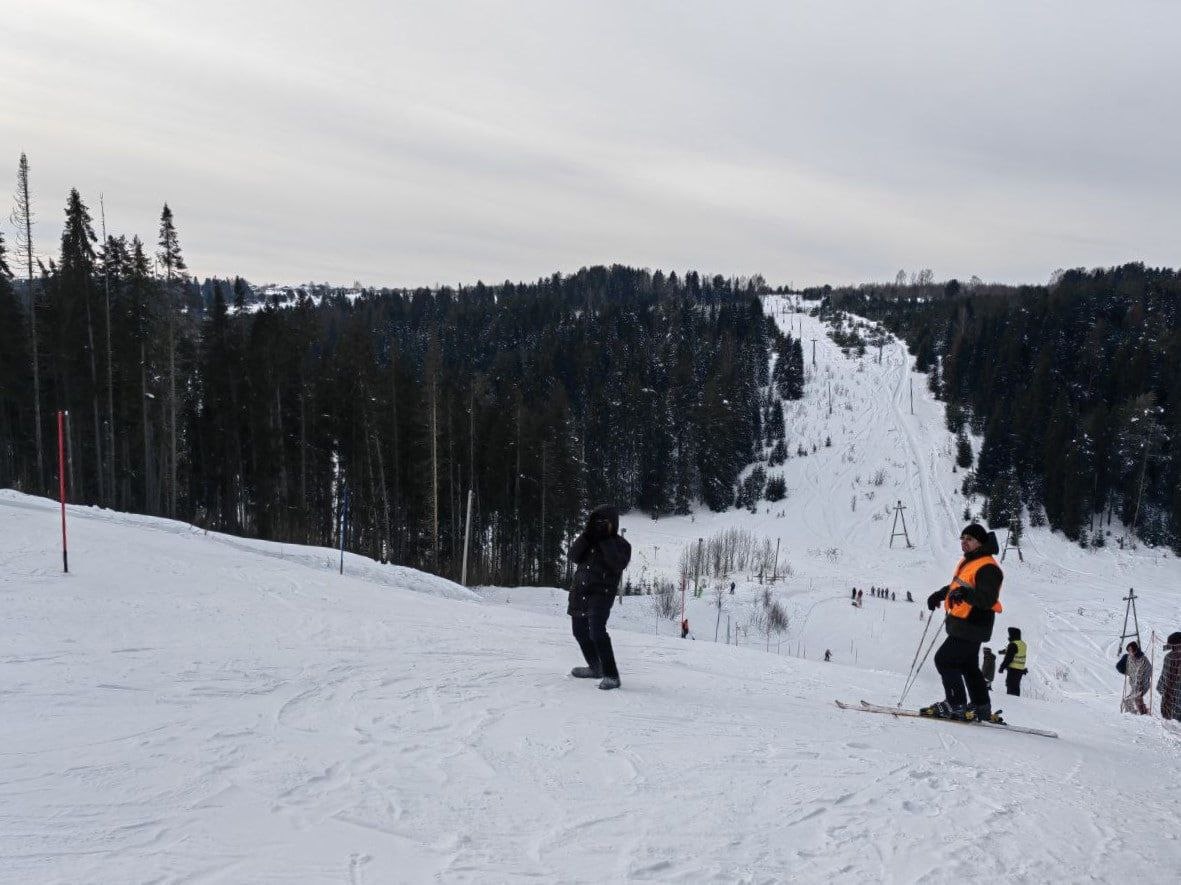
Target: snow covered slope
1067	601
192	707
178	708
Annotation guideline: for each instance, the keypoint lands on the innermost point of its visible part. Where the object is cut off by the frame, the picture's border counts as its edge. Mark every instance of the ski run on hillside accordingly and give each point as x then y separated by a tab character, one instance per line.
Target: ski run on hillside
189	706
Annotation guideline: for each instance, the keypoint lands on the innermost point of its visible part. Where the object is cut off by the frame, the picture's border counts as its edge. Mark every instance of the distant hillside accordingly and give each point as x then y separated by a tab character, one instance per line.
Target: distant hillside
1074	387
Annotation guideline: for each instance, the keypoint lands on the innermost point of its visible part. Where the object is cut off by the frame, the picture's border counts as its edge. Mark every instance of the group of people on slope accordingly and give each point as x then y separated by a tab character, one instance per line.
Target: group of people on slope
880	592
971	601
1137	670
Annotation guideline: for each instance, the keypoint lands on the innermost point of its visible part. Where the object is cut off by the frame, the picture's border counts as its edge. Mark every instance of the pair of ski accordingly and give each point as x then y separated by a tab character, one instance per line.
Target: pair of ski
865	707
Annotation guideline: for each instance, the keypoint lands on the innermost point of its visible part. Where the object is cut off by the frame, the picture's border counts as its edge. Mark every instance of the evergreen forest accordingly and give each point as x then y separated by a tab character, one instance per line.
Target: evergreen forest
191	400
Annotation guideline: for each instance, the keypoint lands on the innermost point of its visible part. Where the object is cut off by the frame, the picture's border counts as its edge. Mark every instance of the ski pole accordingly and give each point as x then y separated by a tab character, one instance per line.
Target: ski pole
915	676
919	649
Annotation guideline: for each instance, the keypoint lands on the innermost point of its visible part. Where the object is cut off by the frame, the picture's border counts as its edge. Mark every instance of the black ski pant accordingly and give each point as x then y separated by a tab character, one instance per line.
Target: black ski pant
590	629
958	662
1013	681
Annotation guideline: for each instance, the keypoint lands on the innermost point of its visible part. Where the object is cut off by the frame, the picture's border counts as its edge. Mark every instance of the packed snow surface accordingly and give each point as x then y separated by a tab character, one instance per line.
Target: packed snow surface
186	706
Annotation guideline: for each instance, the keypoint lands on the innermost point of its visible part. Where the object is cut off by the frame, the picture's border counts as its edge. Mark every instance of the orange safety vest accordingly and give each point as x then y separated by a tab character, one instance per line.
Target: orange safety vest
965	576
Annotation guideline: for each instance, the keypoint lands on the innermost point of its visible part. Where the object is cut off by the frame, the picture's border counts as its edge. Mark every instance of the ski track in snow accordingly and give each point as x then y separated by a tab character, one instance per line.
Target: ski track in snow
199	708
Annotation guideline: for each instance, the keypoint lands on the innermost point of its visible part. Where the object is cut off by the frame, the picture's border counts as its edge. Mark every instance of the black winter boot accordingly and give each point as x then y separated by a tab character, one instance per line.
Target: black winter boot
982	713
943	710
937	710
609	682
586	673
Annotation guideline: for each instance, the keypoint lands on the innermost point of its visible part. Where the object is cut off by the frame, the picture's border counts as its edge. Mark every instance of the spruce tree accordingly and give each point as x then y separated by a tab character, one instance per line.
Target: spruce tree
174	267
963	450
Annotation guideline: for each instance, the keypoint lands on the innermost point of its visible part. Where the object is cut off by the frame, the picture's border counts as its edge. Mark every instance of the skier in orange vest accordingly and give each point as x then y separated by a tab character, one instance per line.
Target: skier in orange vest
971	601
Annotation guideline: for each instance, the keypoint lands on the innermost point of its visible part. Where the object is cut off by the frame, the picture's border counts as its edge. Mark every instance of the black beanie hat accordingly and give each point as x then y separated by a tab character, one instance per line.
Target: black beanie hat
1174	639
1014	632
977	531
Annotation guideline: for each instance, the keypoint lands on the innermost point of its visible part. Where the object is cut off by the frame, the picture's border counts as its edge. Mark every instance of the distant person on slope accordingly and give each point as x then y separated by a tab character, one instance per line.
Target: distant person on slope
601	554
1136	666
971	601
1169	684
1014	661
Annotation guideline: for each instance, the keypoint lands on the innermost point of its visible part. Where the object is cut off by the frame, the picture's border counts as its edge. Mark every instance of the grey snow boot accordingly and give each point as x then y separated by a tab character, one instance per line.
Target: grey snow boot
585	673
609	682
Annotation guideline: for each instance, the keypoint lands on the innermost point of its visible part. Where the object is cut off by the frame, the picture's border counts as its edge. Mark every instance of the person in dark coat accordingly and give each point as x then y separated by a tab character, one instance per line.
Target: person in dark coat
1014	662
1138	670
600	554
971	602
1169	684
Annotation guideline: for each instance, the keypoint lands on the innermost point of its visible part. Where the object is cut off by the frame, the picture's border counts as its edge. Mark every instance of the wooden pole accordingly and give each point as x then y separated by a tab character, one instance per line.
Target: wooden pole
344	517
683	582
467	534
1151	683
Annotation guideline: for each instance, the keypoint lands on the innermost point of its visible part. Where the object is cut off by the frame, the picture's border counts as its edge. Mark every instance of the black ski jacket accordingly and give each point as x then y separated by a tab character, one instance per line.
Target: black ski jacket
977	627
600	558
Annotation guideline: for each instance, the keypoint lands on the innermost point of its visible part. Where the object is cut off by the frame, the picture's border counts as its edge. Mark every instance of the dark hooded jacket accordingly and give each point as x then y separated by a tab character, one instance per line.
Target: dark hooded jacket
977	627
1169	684
1011	648
600	556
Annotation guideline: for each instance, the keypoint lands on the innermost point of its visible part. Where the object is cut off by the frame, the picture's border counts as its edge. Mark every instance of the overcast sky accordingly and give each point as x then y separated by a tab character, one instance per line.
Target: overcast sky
402	143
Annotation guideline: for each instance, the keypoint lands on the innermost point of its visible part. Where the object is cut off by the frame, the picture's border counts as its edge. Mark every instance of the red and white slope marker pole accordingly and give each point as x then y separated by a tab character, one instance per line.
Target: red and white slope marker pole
61	473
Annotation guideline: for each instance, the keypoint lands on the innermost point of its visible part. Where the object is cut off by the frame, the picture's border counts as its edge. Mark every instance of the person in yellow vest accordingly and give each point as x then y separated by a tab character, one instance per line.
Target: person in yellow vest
971	601
1014	662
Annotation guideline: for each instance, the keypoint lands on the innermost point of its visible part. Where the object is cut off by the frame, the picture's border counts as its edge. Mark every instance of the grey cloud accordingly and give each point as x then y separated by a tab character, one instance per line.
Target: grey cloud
405	143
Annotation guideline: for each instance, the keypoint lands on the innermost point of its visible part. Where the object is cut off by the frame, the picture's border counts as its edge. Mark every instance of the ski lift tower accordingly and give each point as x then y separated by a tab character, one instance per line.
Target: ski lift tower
1130	612
1012	543
899	516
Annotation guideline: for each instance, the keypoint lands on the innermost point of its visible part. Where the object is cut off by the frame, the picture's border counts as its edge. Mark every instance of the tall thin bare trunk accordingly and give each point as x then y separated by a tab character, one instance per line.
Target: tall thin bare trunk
435	470
517	497
100	471
171	398
385	495
397	465
110	362
143	399
284	492
23	216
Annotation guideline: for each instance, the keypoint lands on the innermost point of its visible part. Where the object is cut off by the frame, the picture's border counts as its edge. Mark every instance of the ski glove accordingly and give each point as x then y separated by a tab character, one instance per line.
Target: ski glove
936	598
955	596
